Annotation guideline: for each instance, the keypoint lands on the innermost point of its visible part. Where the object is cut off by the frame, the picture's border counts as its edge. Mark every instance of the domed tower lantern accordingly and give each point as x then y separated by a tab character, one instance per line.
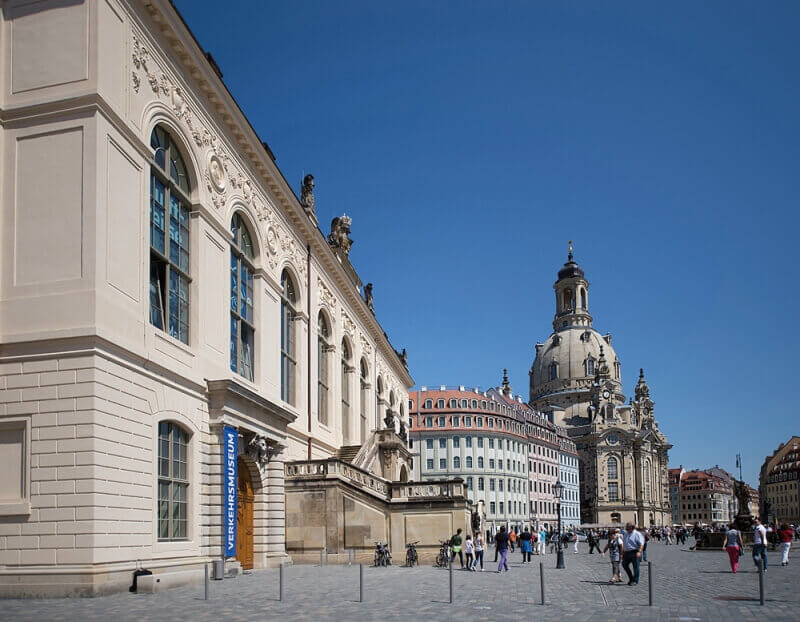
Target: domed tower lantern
572	296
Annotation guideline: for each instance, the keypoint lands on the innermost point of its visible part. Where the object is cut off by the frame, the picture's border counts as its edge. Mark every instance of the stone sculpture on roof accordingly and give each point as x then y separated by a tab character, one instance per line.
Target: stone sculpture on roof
339	237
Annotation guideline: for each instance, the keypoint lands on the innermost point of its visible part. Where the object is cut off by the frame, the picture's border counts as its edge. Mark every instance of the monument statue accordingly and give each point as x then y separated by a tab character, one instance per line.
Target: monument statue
339	237
743	520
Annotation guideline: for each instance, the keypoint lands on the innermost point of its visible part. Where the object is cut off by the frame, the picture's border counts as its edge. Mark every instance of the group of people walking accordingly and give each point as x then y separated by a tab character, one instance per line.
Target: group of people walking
626	549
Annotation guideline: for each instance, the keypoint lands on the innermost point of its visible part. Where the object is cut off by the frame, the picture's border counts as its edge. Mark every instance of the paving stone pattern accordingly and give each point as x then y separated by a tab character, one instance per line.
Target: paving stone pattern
688	587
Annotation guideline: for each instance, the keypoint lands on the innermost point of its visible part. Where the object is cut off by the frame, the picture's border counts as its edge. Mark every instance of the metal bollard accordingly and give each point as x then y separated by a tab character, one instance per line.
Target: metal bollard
451	581
326	555
280	581
760	583
320	558
205	581
650	583
361	583
541	578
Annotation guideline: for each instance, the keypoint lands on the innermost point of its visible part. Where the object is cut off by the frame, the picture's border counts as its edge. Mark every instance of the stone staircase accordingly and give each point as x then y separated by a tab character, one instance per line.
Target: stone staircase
347	453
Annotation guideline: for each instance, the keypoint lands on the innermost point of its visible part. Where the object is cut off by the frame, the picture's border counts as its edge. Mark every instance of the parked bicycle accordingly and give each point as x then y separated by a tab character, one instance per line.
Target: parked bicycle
443	558
411	554
382	555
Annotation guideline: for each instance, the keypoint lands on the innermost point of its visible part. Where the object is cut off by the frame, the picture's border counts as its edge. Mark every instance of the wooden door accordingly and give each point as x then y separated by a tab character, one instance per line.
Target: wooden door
244	522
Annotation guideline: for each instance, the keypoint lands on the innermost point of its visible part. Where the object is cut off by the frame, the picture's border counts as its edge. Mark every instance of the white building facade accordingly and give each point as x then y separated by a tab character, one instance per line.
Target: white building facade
159	281
569	478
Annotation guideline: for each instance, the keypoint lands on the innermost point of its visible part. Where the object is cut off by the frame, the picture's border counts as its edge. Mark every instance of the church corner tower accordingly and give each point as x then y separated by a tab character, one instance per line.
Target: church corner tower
576	375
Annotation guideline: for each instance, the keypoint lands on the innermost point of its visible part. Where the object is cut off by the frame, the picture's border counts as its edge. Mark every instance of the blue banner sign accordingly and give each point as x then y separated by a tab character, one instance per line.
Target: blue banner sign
230	451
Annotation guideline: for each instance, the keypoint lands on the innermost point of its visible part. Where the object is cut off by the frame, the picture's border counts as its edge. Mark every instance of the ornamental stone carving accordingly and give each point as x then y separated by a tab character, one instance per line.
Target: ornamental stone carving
349	325
326	296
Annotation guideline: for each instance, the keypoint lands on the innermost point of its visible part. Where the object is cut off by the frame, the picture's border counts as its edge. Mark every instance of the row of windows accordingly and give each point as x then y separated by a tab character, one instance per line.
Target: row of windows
548	507
513	508
588	367
170	280
512	485
513	465
473	404
456	441
468	420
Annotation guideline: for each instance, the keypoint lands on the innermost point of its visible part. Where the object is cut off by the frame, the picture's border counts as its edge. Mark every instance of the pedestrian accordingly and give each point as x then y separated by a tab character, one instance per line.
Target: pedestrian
512	538
542	541
733	545
469	547
697	532
785	534
455	548
593	542
575	541
614	548
478	552
501	545
760	545
646	535
535	542
525	545
632	545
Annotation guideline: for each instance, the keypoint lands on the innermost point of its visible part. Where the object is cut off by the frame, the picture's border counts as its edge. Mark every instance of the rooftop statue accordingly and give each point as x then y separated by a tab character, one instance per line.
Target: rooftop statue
339	236
307	194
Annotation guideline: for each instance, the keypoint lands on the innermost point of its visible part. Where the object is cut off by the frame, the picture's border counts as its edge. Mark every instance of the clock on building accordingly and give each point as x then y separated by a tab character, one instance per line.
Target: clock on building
606	394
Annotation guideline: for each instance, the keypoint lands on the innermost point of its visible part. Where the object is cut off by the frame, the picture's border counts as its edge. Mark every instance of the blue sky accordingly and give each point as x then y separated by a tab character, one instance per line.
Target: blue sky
469	141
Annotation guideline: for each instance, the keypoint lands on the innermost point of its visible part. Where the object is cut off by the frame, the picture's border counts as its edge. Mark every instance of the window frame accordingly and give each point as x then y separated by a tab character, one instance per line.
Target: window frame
161	265
288	361
241	323
173	482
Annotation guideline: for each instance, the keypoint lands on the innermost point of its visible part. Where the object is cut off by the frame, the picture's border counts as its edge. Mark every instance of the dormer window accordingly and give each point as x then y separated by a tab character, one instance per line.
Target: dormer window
554	371
428	404
589	366
439	403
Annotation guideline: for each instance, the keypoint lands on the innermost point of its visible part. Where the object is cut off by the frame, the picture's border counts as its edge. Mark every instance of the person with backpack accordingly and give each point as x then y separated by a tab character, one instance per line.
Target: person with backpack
525	545
614	548
455	547
501	546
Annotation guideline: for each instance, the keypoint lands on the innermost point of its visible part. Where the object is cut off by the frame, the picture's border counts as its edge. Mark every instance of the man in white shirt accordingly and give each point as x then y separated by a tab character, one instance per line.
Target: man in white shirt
632	546
760	544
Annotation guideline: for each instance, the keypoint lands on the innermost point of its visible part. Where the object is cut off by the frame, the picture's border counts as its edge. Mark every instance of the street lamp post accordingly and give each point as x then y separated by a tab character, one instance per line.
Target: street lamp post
559	490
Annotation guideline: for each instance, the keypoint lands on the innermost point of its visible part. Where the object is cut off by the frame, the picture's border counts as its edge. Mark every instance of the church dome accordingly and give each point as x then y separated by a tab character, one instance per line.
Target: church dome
569	359
571	269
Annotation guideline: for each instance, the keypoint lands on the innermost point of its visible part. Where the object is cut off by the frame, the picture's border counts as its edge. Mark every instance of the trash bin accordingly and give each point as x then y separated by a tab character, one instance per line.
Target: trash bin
219	569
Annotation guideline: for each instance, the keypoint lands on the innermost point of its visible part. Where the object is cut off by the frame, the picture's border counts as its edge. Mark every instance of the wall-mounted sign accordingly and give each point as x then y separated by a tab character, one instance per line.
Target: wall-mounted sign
230	452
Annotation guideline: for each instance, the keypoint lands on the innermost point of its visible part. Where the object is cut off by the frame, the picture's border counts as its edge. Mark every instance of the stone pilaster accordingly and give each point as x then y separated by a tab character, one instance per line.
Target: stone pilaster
274	514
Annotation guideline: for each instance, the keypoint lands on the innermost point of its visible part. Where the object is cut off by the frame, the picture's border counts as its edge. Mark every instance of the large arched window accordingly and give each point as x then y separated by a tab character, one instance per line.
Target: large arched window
567	299
323	381
364	381
553	371
288	346
646	479
173	482
346	368
613	479
169	237
242	322
583	298
589	366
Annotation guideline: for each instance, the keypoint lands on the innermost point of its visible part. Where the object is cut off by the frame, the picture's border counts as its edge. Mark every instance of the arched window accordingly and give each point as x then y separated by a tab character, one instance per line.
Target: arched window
567	299
613	476
469	462
173	481
474	404
646	479
456	462
463	403
439	403
364	382
428	404
323	381
288	347
553	371
453	403
583	298
346	368
590	366
616	369
169	237
242	322
480	462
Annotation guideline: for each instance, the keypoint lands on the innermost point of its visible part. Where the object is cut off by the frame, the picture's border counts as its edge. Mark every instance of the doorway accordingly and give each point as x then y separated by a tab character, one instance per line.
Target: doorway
244	519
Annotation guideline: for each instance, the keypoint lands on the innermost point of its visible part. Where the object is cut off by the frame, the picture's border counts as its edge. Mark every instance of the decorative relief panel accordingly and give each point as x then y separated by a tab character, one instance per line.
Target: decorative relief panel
223	177
326	296
349	325
366	348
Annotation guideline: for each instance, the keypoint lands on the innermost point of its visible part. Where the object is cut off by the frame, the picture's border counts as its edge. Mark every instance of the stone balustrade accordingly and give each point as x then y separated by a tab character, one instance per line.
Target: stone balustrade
333	468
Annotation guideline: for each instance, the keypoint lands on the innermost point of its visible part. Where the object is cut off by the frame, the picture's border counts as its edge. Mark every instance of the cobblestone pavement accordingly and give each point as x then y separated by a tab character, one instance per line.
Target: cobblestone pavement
687	586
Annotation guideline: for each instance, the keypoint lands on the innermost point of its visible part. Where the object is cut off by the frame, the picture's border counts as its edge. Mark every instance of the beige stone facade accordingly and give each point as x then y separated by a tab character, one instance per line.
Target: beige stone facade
576	377
779	485
118	361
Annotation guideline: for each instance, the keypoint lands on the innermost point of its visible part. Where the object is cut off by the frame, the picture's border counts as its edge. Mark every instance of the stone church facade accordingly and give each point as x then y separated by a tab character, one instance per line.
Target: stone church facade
576	378
160	280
